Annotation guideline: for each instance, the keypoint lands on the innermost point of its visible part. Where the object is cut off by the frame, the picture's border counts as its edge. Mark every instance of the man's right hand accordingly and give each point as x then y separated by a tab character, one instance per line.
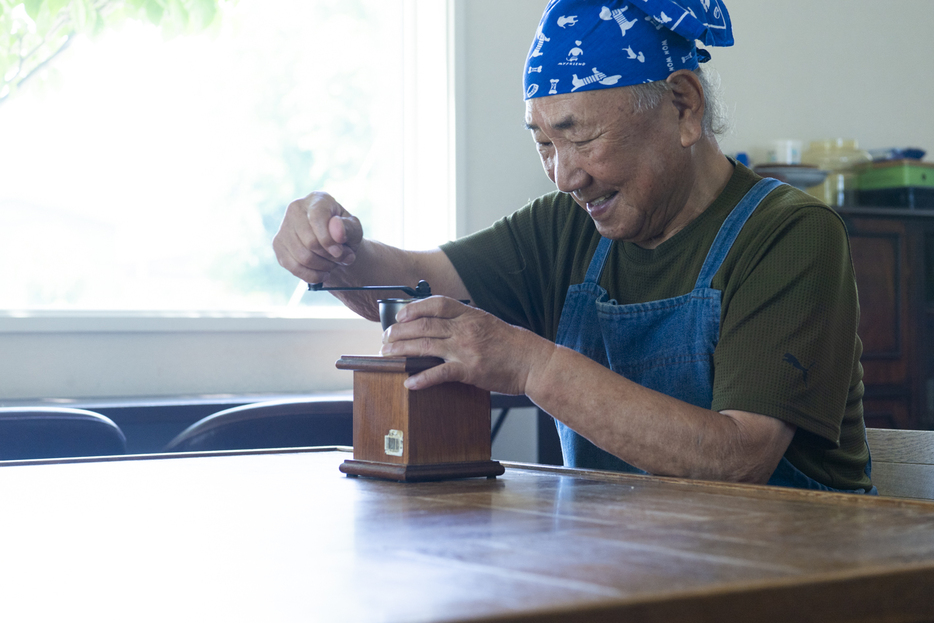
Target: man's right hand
317	235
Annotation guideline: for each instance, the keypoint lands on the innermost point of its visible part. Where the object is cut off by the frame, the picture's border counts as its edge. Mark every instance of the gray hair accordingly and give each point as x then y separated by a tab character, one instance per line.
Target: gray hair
649	95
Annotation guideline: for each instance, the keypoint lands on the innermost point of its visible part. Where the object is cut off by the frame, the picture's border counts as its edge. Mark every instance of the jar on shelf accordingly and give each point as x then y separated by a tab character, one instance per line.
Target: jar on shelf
841	158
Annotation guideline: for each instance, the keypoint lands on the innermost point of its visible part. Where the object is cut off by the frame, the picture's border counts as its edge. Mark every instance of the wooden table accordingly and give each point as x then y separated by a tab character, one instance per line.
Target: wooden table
284	536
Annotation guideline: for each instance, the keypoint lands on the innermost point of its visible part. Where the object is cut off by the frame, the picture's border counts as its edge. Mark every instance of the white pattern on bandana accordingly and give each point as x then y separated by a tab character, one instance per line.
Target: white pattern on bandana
659	35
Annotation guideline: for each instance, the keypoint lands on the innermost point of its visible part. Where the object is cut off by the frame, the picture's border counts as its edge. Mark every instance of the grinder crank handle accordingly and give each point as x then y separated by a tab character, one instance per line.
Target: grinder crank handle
420	291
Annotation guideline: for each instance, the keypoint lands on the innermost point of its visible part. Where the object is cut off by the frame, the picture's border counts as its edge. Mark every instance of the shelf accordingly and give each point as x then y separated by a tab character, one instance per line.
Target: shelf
884	211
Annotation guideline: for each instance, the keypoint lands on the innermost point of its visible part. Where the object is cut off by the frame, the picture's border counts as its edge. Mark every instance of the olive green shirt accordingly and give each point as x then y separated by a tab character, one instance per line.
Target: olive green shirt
788	346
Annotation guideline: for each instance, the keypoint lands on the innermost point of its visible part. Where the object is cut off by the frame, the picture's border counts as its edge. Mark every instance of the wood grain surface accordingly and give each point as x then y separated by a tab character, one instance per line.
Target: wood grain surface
902	462
447	423
284	536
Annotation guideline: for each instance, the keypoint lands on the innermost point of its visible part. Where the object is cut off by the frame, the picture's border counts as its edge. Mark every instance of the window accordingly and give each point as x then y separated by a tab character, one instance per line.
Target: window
141	181
144	174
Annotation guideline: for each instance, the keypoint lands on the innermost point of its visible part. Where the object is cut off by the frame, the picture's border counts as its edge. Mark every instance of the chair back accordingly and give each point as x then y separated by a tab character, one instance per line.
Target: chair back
312	421
57	432
902	462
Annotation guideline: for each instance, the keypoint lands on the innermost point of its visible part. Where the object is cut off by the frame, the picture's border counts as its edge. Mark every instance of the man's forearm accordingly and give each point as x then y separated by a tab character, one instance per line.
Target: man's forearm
380	264
652	431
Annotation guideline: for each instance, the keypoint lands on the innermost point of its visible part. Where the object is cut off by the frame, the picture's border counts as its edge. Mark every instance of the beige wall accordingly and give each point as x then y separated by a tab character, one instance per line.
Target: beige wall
811	69
800	69
498	168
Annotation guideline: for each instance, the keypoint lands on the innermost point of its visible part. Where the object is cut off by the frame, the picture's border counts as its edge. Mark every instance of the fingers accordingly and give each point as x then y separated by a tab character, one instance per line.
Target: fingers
432	307
421	338
331	231
423	329
420	323
424	335
345	230
317	235
428	329
445	373
477	348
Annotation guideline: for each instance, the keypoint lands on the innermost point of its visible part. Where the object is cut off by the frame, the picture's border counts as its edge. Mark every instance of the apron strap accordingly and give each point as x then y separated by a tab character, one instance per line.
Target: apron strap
730	229
598	260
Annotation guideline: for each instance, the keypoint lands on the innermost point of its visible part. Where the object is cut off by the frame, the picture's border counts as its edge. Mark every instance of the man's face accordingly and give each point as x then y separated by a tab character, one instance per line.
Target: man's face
629	170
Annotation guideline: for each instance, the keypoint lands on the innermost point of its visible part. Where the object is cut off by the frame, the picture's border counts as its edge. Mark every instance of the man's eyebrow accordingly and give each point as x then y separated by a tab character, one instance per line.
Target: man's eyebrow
565	124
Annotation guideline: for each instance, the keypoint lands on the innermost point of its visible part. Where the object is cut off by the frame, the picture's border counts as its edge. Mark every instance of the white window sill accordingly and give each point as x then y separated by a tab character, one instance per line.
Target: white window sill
56	355
308	319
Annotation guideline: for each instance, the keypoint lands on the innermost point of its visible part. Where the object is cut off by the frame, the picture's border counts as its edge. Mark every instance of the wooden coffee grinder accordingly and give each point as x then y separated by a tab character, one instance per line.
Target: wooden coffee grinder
438	433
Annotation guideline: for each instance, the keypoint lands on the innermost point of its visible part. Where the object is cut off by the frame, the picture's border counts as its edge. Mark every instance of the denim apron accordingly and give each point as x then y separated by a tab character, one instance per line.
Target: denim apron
665	345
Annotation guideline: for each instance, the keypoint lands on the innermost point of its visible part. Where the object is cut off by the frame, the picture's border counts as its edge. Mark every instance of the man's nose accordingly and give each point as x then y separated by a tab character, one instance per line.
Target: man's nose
567	175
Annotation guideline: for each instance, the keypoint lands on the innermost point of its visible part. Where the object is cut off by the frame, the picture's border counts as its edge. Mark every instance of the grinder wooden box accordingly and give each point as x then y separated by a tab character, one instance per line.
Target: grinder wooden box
437	433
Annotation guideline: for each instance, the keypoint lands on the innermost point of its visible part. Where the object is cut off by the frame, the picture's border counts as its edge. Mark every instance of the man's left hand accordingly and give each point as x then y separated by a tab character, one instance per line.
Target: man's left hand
477	348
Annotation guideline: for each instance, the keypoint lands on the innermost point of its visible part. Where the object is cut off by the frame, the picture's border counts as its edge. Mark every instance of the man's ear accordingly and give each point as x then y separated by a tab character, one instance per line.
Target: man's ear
688	97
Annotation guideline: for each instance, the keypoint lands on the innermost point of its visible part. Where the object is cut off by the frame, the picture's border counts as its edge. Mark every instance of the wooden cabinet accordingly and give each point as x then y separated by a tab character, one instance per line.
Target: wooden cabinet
893	255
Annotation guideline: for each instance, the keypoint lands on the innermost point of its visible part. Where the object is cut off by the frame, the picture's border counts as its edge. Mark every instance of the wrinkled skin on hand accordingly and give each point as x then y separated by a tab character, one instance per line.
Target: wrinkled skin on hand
316	237
478	348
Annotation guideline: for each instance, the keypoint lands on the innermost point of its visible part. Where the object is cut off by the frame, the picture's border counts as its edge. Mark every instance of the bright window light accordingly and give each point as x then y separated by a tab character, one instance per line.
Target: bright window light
145	174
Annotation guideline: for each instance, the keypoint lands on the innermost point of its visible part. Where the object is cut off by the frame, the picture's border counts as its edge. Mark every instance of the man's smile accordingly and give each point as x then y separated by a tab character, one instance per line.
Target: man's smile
598	205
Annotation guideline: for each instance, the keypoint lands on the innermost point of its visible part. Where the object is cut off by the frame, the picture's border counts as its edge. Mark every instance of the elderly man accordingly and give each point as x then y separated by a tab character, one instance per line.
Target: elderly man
675	313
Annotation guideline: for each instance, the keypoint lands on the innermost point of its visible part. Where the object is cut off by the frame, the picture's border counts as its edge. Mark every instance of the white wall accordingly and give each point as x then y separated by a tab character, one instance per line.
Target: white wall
499	170
811	69
118	357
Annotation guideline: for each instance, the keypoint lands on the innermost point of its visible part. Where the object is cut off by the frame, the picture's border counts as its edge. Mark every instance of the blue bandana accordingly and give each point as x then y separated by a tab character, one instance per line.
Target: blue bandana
582	46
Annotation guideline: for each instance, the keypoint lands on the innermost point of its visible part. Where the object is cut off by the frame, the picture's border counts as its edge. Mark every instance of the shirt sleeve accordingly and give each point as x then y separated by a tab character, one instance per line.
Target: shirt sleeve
788	345
517	269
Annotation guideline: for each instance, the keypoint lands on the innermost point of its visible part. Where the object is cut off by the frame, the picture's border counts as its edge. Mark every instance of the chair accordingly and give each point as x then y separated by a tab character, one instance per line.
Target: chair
57	432
902	462
289	423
